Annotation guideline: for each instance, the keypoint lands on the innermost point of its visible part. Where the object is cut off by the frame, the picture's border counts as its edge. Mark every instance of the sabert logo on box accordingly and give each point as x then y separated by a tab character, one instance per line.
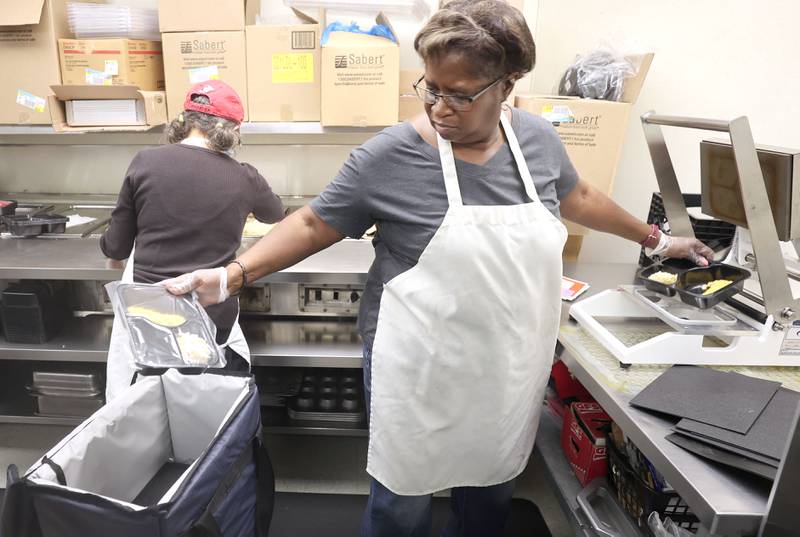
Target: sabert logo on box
202	45
345	61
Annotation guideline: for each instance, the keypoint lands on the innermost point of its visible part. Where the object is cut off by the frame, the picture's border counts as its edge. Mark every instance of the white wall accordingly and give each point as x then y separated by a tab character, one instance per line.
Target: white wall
713	58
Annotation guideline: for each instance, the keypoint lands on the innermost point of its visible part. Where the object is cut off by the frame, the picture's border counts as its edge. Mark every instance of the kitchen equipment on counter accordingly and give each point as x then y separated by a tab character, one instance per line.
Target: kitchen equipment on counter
34	311
758	329
7	207
33	226
721	189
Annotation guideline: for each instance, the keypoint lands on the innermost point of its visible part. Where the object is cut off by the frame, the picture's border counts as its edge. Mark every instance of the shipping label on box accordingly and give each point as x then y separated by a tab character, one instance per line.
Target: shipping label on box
283	71
360	79
194	57
106	62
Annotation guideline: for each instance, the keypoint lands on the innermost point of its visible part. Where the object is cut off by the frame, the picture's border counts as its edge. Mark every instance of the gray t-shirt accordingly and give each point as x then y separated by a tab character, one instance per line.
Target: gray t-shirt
395	181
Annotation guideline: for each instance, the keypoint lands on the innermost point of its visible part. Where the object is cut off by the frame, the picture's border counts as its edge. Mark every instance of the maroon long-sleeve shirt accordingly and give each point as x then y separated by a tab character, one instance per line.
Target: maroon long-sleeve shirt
185	206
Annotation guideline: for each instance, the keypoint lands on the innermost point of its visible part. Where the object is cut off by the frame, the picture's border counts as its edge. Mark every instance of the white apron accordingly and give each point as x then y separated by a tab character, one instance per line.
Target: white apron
464	344
120	367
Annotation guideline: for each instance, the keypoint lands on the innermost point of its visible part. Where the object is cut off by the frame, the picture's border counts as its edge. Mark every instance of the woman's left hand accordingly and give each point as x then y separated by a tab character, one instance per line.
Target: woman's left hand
689	248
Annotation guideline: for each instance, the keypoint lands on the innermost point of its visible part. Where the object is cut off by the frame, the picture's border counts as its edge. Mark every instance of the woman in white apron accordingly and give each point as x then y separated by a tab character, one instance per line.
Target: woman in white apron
173	199
461	307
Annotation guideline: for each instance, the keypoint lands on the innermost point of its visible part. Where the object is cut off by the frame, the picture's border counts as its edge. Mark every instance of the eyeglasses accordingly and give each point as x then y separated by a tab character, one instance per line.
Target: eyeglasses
460	103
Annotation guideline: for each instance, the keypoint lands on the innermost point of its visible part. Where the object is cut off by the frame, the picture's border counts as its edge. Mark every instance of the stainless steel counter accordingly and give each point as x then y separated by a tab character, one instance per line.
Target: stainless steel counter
346	262
726	502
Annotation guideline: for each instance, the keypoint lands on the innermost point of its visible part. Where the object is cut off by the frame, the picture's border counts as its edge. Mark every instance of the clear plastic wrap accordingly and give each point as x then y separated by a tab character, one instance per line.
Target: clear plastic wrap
165	330
600	74
89	20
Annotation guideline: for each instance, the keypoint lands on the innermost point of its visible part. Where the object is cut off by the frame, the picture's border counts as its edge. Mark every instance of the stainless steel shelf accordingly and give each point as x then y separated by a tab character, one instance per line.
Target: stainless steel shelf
727	503
272	343
80	340
346	262
16	406
254	133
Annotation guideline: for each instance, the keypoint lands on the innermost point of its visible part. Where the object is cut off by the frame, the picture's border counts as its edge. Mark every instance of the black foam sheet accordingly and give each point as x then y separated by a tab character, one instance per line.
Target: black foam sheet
727	400
722	456
769	434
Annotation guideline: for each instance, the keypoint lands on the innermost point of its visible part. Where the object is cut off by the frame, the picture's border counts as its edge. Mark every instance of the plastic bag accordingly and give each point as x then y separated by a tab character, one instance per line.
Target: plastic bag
600	74
378	30
165	330
667	528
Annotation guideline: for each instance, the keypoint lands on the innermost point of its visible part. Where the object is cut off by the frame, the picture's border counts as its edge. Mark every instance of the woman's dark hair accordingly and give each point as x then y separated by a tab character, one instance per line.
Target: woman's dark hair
222	134
492	33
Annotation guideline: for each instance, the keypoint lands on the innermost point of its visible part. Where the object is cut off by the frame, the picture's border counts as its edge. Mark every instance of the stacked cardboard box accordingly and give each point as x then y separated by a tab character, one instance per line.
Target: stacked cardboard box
283	70
107	62
593	132
360	79
29	31
202	40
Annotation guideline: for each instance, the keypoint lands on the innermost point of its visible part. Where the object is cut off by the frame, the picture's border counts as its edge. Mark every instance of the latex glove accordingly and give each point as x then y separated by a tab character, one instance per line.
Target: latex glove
691	249
211	285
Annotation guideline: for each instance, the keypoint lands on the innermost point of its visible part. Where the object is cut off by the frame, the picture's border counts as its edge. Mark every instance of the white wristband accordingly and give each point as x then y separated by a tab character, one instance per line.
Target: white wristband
664	242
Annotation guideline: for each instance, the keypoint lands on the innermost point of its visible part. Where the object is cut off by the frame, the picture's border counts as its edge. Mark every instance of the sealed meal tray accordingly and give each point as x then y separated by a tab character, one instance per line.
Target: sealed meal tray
705	287
165	330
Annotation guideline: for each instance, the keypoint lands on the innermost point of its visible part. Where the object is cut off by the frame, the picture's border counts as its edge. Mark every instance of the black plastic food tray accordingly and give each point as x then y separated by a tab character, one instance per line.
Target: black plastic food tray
26	226
690	282
645	273
331	396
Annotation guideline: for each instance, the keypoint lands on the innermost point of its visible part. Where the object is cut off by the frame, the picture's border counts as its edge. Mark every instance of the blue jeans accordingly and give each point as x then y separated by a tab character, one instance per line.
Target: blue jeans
475	511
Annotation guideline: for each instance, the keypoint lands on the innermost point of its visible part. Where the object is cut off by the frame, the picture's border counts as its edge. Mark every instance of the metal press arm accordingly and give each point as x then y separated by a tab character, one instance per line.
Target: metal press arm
774	282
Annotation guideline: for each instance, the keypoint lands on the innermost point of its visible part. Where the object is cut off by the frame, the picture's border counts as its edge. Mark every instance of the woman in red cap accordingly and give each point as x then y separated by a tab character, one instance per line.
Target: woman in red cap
184	206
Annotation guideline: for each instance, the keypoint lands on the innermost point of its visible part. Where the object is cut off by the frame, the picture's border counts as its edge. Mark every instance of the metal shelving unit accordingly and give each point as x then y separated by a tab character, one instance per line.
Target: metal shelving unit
278	133
274	341
86	339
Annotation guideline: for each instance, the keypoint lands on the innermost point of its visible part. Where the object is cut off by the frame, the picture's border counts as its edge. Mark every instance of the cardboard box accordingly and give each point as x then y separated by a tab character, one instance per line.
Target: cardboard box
563	389
410	104
153	102
200	15
193	57
283	71
360	79
592	131
583	440
29	58
106	62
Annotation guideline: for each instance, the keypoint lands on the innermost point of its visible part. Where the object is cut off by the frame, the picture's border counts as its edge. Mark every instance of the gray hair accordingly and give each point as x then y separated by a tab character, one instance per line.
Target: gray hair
222	134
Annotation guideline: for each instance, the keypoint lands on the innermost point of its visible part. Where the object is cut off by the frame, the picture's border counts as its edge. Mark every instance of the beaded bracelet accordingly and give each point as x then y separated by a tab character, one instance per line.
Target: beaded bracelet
653	236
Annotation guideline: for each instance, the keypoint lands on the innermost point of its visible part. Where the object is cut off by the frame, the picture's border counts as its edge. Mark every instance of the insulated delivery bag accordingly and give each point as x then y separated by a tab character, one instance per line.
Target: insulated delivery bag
175	455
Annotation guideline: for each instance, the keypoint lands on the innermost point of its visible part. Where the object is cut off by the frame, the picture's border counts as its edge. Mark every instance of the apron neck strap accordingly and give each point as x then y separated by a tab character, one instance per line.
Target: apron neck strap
449	171
449	165
519	158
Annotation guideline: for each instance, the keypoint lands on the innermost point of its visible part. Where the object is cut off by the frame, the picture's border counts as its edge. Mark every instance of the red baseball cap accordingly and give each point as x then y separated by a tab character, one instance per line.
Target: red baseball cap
223	101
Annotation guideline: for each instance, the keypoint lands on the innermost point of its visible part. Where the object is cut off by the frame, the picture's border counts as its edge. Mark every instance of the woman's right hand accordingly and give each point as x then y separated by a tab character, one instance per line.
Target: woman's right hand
211	285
